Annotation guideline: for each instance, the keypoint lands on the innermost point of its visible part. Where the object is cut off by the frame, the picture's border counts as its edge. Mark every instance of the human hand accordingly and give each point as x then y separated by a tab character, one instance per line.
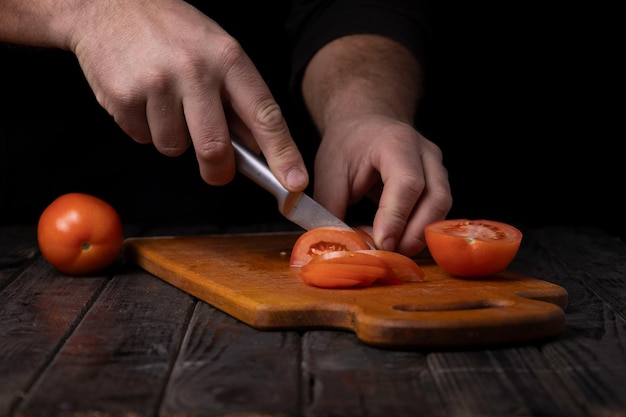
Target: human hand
390	162
171	76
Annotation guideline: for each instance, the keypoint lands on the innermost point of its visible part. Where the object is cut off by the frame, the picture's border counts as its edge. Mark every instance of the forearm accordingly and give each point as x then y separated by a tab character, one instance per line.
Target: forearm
43	23
362	74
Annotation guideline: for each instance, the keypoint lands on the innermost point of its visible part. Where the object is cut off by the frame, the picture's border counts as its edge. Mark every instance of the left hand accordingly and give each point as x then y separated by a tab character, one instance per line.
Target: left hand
392	163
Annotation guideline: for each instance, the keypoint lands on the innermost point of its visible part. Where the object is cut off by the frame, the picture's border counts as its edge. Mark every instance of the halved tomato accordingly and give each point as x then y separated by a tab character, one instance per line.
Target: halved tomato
472	248
324	239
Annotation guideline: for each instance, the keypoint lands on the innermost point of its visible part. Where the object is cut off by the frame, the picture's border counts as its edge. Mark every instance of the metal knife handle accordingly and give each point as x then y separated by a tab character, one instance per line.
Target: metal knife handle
253	167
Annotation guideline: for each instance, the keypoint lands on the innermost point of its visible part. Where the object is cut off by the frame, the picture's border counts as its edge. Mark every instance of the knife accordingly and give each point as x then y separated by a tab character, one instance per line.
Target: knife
297	207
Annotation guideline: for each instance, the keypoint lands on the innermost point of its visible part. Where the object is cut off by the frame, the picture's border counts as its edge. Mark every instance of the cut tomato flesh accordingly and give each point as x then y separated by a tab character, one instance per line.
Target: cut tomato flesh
319	241
472	248
338	258
402	267
342	269
341	275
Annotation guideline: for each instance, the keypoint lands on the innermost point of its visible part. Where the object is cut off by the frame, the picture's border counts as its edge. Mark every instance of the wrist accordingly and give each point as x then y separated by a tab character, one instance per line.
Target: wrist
43	23
360	100
362	75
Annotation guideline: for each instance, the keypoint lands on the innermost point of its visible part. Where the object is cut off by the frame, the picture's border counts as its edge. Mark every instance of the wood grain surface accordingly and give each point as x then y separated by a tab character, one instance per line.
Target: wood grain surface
248	276
126	343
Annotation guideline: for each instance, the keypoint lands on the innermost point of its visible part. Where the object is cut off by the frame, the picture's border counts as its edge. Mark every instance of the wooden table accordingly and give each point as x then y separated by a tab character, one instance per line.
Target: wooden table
129	344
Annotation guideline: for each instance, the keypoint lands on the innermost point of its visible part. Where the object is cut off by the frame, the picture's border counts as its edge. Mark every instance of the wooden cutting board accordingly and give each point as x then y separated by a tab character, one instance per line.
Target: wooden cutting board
249	277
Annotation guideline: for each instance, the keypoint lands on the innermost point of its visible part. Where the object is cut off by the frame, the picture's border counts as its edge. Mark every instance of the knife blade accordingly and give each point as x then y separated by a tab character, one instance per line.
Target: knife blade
297	207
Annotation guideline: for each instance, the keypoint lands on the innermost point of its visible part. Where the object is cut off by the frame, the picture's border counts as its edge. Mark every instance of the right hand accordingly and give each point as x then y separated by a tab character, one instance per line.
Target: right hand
170	75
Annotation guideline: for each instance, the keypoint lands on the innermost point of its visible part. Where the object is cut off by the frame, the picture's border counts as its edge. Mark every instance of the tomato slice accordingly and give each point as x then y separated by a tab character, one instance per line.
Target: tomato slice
472	248
365	235
402	267
337	258
342	269
322	240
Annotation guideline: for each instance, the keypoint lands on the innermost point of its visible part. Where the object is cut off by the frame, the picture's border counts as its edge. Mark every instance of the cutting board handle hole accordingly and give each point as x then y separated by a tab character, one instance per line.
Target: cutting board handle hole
454	306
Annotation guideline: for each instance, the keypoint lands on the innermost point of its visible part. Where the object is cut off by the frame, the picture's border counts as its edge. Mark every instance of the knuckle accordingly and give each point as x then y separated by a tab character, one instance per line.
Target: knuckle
270	124
412	182
120	102
442	204
269	116
211	150
231	53
435	150
266	113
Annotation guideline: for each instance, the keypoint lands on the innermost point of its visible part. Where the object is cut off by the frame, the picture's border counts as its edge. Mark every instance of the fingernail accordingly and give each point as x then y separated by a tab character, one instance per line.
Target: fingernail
296	179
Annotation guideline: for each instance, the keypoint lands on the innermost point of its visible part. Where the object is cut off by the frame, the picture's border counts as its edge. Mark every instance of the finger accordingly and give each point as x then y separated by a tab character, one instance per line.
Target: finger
168	129
209	134
239	130
433	204
411	199
252	101
402	188
131	119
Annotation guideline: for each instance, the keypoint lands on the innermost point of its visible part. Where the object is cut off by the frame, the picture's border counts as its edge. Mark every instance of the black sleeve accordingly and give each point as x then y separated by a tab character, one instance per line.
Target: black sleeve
312	24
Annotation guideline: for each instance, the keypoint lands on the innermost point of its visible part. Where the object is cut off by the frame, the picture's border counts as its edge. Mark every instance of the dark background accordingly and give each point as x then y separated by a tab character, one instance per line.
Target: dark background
526	103
523	101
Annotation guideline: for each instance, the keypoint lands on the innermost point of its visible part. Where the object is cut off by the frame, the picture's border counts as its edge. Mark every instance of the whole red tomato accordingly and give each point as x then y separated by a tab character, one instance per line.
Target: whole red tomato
80	234
472	248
